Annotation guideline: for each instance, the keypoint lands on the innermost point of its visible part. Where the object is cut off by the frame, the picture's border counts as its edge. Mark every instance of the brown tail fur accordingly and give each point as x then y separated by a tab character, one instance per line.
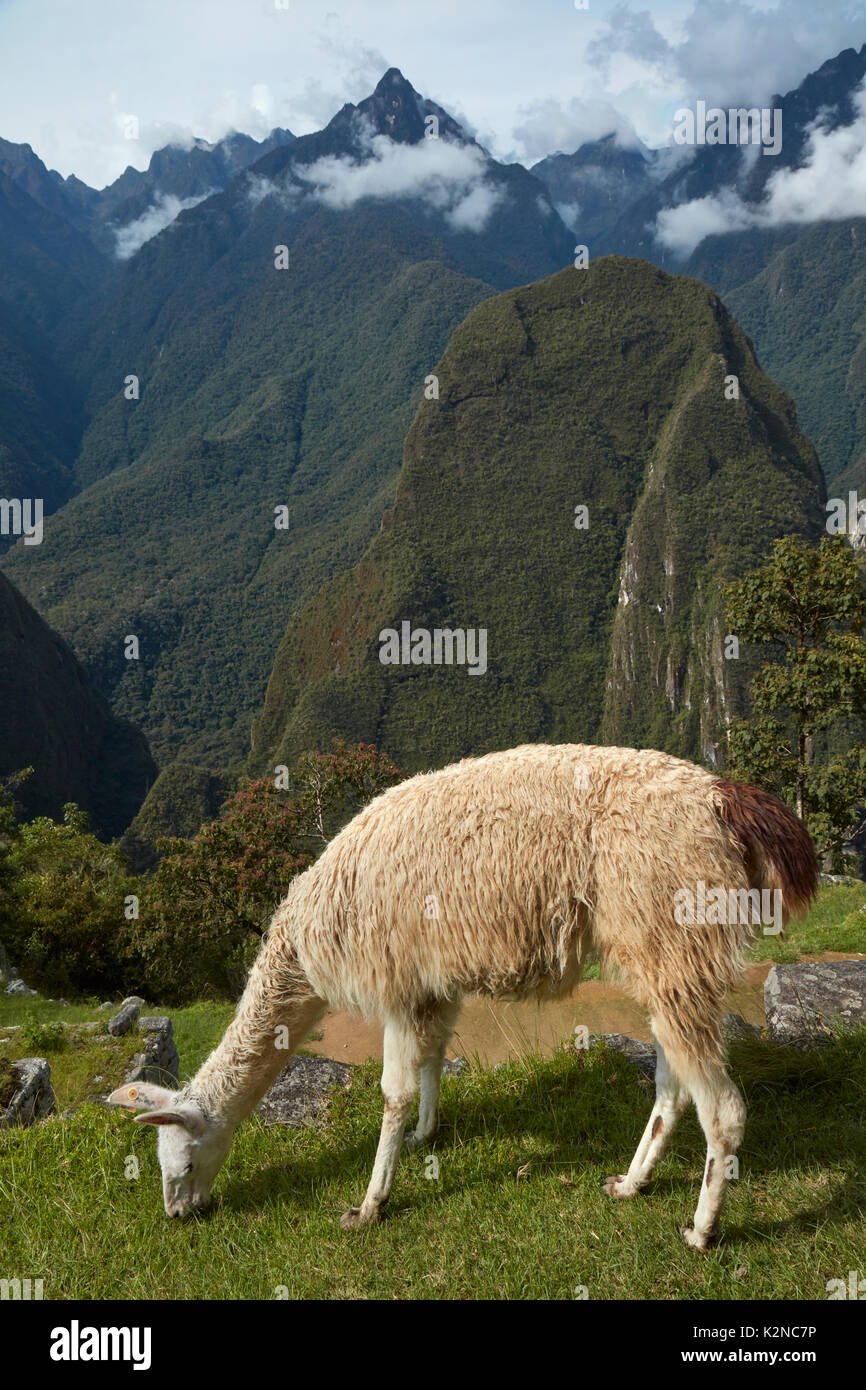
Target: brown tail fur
776	846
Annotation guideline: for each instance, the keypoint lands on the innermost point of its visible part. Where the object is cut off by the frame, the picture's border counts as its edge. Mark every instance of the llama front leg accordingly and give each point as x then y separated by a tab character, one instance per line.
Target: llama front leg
671	1100
400	1076
722	1113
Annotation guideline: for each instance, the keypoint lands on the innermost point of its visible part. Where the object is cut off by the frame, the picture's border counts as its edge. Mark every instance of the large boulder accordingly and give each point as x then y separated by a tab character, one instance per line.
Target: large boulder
641	1054
17	986
125	1018
300	1094
158	1062
34	1098
806	1003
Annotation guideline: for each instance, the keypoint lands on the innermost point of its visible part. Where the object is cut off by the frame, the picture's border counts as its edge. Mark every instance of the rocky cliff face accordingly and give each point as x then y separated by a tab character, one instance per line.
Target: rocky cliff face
53	720
603	453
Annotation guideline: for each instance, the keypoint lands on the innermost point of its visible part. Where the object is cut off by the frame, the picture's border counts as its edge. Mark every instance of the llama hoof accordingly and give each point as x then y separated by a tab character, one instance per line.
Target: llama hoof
356	1216
413	1140
696	1241
615	1186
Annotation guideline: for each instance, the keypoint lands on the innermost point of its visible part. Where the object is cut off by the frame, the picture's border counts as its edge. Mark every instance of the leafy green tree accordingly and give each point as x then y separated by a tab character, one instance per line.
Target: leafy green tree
69	904
809	604
210	900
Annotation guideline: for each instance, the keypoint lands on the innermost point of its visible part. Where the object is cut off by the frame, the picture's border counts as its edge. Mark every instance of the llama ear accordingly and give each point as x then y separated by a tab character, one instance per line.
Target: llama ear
187	1115
141	1095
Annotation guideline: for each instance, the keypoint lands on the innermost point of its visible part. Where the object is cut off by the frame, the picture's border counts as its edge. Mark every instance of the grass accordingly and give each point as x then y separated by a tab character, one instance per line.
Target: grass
837	922
516	1211
80	1060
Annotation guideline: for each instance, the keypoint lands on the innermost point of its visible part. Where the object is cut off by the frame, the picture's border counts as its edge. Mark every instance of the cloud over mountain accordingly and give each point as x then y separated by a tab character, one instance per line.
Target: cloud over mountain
448	176
154	219
728	53
830	184
553	125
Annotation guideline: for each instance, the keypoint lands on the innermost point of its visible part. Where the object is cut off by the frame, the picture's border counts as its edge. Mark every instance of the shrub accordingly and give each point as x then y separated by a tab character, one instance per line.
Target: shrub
70	894
208	905
43	1036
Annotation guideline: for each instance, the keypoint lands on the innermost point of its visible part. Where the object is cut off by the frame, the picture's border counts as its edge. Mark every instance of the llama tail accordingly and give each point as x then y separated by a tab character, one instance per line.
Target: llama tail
777	849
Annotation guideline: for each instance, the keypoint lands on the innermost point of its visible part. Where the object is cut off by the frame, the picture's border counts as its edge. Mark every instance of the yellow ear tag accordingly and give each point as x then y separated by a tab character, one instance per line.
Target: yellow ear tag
133	1093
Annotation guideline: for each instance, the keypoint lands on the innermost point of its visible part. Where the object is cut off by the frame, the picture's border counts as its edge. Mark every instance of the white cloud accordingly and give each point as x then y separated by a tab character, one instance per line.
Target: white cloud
550	125
734	52
448	176
569	212
472	212
154	219
830	185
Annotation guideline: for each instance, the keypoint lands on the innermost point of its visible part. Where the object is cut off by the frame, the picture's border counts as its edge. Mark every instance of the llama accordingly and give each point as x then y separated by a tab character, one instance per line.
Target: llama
497	876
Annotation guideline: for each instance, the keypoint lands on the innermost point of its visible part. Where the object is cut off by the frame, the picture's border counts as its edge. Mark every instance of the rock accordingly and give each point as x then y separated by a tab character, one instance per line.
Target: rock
839	878
134	999
34	1099
103	1008
455	1067
64	1003
18	987
804	1003
642	1054
90	1027
299	1096
735	1026
158	1062
124	1019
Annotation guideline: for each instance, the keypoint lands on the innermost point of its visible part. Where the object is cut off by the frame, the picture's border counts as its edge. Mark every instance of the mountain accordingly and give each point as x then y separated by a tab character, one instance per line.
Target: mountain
56	722
592	187
263	388
48	270
796	288
175	171
601	388
806	310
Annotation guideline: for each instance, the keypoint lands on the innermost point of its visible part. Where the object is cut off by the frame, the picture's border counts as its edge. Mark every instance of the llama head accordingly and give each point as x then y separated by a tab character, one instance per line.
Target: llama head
191	1145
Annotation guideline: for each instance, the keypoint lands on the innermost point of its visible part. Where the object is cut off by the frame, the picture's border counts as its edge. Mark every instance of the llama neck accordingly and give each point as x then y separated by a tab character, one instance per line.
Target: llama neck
277	1009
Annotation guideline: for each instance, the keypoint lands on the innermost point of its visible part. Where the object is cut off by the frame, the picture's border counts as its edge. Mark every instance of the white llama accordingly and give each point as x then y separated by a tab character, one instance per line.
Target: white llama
532	858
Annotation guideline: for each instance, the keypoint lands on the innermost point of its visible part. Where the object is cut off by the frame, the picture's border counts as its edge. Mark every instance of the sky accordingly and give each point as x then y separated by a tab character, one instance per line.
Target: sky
526	77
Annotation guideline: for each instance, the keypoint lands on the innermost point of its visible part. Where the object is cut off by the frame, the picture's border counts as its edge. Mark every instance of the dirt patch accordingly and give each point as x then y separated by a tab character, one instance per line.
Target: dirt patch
493	1032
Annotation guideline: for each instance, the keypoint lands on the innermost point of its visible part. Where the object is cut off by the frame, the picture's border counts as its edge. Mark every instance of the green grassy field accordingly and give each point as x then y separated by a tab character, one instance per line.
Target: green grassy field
516	1210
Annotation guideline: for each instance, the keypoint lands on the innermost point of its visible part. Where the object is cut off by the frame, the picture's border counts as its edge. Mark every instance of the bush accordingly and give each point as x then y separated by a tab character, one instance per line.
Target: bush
42	1036
70	900
208	905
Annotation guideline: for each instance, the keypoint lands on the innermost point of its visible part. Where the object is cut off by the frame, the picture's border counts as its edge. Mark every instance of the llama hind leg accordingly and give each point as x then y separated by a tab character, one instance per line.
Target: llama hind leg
400	1077
671	1100
722	1113
431	1076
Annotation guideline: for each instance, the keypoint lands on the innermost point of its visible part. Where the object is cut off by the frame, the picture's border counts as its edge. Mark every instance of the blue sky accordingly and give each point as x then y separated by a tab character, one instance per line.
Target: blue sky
527	76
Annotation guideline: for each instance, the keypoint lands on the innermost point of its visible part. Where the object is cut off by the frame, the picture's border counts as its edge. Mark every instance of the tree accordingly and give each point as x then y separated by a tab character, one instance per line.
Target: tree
69	898
809	603
210	900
